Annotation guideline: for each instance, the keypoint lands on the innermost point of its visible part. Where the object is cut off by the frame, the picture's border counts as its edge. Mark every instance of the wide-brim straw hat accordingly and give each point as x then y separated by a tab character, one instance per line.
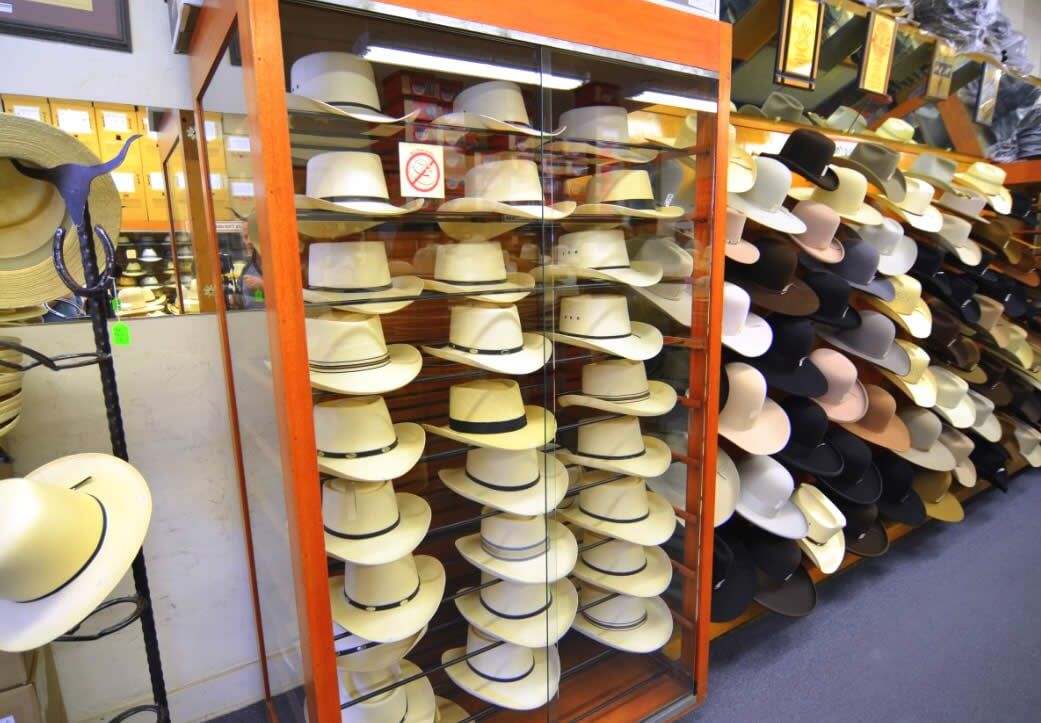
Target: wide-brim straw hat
537	499
34	210
651	579
644	342
21	313
354	654
404	290
302	104
516	286
654	529
420	704
410	440
539	427
535	631
532	356
661	398
404	363
360	208
649	635
413	522
556	561
531	691
652	462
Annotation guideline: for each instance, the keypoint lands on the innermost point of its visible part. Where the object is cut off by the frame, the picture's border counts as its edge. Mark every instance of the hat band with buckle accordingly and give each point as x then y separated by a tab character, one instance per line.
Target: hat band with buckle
496	679
358	455
518	616
502	488
615	573
515	554
355	199
615	626
364	535
339	367
625	521
506	425
490	352
388	606
352	289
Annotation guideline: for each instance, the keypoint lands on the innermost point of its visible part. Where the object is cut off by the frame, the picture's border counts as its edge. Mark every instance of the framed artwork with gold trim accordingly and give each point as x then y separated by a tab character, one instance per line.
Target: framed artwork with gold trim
97	23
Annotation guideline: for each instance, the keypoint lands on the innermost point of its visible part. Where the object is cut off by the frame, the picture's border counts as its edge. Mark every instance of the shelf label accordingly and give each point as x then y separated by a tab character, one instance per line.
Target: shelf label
124	182
421	169
242	189
156	181
237	144
32	113
115	121
74	121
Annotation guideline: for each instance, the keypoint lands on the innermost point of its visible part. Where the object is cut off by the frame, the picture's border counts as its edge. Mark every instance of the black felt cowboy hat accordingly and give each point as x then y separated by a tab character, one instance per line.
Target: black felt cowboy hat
955	290
808	153
865	534
929	260
878	163
733	576
782	584
785	364
899	501
995	389
771	281
834	293
808	448
1026	401
859	481
991	461
1006	290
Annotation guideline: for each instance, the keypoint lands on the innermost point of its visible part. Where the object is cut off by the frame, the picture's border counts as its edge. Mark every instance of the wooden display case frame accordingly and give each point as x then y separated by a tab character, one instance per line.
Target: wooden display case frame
632	27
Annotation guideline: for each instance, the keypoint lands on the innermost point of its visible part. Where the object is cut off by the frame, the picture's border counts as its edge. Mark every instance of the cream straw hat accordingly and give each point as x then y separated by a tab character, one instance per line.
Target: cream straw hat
497	105
357	271
521	548
492	413
598	254
490	337
599	130
338	84
620	386
413	702
477	269
532	615
347	354
623	509
621	566
601	322
357	439
350	182
509	676
368	523
524	482
624	192
623	622
355	653
615	444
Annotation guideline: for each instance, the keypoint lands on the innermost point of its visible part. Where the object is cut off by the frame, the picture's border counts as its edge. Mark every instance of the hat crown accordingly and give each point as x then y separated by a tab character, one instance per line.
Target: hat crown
932	486
470	263
341	336
832	290
391	705
793	338
958	444
50	534
735	225
881	409
508	536
931	165
873	337
514	599
346	175
621	185
132	297
511	180
884	237
618	437
923	426
505	468
348	265
809	420
896	129
481	326
593	249
676	262
736	305
746	396
622	612
822	222
877	158
335	78
766	485
823	518
955	230
377	657
615	379
621	500
773	180
386	584
907	292
597	123
966	203
498	99
848	196
987	173
503	662
845	118
984	406
775	269
485	400
810	149
918	197
616	557
601	316
359	508
354	424
950	388
783	106
839	371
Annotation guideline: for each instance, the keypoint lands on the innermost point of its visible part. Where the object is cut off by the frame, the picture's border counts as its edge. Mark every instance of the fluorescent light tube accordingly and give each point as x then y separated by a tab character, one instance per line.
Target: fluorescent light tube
472	68
680	101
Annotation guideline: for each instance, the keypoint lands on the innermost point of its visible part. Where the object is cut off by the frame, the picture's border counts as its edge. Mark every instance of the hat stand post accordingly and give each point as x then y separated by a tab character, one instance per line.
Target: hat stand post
73	183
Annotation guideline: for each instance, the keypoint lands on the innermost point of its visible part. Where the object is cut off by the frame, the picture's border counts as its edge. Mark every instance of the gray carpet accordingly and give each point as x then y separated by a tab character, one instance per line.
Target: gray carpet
945	627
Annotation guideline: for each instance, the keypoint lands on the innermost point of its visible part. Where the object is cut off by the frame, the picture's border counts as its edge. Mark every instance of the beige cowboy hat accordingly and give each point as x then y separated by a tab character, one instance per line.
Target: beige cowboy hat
616	444
952	399
624	192
355	653
368	523
622	566
478	270
675	298
926	450
620	386
744	331
598	254
357	274
72	528
496	105
897	252
934	488
599	130
749	418
521	548
32	210
337	84
896	129
507	675
601	322
880	424
847	200
647	127
989	180
357	439
489	337
347	354
138	301
766	497
907	307
985	423
390	601
412	702
532	615
741	168
524	481
824	544
764	202
624	622
623	509
349	182
673	484
492	413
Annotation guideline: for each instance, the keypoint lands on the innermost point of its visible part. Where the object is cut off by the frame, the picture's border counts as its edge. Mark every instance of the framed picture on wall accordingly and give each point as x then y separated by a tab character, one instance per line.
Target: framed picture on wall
98	23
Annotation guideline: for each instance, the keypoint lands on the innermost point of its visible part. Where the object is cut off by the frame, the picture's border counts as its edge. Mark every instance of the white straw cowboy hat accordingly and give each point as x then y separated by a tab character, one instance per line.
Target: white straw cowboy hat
916	208
896	251
532	615
496	105
357	274
138	301
985	423
599	130
413	702
907	307
368	523
623	509
847	199
624	192
646	127
521	548
920	383
509	676
989	180
926	448
675	298
490	337
71	531
491	413
387	602
623	622
601	322
675	261
356	439
741	168
338	84
32	210
620	386
355	653
749	418
964	202
896	129
766	492
824	544
524	482
764	201
347	354
615	444
744	331
952	399
622	566
598	254
478	270
350	182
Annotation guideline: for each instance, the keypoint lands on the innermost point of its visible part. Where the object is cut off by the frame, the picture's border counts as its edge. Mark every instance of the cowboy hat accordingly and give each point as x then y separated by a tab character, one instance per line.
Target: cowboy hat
847	199
985	423
843	119
507	675
134	269
859	481
355	653
646	127
601	322
824	543
496	105
623	622
961	447
624	192
967	204
737	248
834	294
919	384
907	307
858	267
954	236
675	298
809	450
926	450
899	501
356	439
599	130
897	252
478	270
765	501
337	84
935	490
138	301
764	201
1027	439
357	274
521	548
347	354
786	365
527	614
623	509
896	129
989	180
822	223
673	485
72	529
524	482
349	182
874	340
620	386
794	596
808	153
745	332
749	418
881	425
623	567
491	413
937	171
733	576
407	702
368	523
778	106
598	254
772	282
675	261
741	168
489	337
865	534
879	165
952	399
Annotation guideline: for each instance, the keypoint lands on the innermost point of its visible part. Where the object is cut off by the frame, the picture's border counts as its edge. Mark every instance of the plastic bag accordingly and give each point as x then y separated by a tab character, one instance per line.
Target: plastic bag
902	8
963	23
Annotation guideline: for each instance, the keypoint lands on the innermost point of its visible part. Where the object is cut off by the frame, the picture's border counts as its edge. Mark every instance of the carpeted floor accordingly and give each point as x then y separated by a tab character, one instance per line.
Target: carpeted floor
945	627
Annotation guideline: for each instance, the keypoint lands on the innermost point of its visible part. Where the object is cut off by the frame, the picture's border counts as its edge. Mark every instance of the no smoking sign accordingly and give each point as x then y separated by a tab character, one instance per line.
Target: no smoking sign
422	169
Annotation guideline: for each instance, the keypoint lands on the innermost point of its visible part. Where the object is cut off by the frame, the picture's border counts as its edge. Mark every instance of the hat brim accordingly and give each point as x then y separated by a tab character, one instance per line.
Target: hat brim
894	188
829	180
537	631
976	375
922	392
360	208
851	408
965	474
413	523
420	703
788	521
653	462
534	212
127	502
900	259
794	598
946	509
1028	278
612	152
661	400
931	221
894	436
976	184
545	568
805	380
303	104
388	626
517	286
639	273
21	314
372	658
909	511
741	251
895	359
735	593
540	427
918	323
827	556
821	460
465	121
644	342
989	429
797	300
652	580
937	458
768	434
655	529
753	340
865	491
865	214
479	230
960	416
679	308
530	692
740	171
538	499
405	363
652	634
535	352
873	542
401	286
379	467
781	219
832	254
610	209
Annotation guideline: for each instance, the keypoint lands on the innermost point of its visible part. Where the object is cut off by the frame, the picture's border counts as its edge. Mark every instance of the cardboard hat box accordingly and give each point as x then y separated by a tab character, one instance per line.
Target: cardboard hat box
25	106
76	117
20	705
117	123
14	669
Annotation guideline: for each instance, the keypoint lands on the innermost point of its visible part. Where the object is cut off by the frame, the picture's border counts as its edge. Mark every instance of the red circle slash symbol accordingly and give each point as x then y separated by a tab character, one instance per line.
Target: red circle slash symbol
422	172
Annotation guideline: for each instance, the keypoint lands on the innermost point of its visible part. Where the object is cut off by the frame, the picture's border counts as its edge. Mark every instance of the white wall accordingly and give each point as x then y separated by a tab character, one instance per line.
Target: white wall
1025	16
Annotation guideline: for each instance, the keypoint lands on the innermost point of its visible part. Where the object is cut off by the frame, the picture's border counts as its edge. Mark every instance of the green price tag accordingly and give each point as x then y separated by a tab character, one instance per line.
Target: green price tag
121	334
116	305
258	295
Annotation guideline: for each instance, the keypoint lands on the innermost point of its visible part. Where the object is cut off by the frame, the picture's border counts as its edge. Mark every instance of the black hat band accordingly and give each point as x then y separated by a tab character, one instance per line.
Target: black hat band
358	455
389	606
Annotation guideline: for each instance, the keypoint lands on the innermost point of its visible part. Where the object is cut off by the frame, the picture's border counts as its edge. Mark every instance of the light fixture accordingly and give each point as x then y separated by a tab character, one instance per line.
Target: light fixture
472	68
799	43
680	101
